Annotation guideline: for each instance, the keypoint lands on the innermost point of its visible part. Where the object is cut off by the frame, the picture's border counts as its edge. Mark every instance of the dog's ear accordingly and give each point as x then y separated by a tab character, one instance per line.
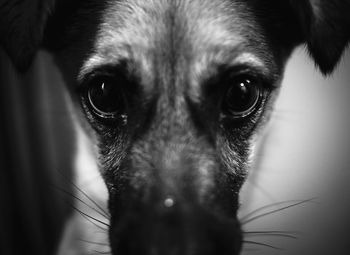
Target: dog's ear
325	27
22	24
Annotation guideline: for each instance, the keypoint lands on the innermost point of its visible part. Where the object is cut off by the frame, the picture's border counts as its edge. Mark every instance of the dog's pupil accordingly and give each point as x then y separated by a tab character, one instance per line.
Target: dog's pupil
242	96
105	98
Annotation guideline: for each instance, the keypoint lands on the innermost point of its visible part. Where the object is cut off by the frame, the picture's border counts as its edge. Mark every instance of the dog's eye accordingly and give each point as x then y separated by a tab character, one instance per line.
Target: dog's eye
105	98
242	96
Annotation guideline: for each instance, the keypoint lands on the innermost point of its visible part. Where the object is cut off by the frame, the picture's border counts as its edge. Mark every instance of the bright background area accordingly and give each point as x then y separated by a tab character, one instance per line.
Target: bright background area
305	155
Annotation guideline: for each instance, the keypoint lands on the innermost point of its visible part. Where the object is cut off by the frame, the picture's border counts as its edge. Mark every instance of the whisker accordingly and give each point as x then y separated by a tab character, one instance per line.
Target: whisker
85	194
266	207
273	232
274	211
102	252
258	233
93	201
93	223
90	217
269	206
91	242
262	244
83	202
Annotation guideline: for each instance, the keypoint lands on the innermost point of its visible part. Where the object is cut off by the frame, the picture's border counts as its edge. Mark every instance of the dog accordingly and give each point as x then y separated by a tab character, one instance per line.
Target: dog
174	95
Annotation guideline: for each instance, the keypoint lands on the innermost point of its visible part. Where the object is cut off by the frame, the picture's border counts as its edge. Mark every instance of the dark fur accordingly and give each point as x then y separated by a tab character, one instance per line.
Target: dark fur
177	142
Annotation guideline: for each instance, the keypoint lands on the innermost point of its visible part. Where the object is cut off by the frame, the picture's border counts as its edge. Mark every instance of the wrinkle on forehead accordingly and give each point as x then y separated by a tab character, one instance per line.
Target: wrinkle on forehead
144	30
148	23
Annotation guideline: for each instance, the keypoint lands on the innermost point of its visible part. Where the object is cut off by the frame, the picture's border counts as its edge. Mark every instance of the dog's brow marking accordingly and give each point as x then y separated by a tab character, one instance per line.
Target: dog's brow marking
227	57
89	65
250	59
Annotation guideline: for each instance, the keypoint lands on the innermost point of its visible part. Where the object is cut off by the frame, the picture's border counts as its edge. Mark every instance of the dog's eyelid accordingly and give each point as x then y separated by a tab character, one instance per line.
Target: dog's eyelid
108	72
255	72
84	81
250	64
111	70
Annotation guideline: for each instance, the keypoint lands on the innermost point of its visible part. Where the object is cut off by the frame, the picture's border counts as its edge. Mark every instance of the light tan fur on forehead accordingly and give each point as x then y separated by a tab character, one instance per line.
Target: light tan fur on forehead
186	30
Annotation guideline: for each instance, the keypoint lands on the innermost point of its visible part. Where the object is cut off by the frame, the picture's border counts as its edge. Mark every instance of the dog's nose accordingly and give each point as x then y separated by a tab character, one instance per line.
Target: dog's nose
176	229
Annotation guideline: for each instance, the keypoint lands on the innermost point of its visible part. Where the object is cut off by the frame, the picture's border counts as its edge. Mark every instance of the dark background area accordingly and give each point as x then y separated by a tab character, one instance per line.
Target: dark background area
37	149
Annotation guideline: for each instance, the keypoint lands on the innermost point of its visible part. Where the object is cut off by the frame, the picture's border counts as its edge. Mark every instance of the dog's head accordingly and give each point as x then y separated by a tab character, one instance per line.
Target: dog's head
174	94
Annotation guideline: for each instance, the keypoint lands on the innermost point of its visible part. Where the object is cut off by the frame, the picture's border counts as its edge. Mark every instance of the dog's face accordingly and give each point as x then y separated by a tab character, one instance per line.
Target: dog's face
174	94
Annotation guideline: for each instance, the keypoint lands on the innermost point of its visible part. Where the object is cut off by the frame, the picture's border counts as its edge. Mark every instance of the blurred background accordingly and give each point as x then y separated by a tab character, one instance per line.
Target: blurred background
305	155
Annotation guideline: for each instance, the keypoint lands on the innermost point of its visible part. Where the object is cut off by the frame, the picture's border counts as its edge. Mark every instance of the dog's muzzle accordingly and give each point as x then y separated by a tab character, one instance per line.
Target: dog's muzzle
175	228
168	211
